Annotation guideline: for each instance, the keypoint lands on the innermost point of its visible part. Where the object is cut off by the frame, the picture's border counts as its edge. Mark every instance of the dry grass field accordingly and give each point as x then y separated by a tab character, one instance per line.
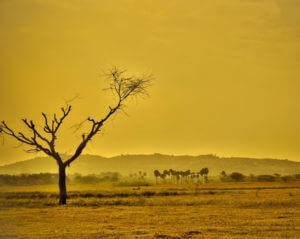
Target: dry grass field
214	210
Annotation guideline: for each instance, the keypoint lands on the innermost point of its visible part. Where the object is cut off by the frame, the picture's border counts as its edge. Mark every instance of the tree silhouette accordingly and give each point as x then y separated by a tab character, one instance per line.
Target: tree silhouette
186	174
156	174
166	173
163	176
121	85
236	176
223	174
204	172
172	174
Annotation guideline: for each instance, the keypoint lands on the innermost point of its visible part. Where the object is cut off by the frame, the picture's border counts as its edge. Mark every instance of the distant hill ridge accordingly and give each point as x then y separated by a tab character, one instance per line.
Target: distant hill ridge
126	164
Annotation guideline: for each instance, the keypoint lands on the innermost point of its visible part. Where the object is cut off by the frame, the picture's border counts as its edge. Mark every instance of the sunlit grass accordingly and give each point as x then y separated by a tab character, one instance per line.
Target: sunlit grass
215	210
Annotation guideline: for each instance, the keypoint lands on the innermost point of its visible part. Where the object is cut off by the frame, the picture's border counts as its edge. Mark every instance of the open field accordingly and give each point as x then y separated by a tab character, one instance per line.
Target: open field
214	210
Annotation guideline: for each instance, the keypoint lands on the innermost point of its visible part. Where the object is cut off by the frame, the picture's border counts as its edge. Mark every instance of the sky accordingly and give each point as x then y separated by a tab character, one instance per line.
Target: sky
227	75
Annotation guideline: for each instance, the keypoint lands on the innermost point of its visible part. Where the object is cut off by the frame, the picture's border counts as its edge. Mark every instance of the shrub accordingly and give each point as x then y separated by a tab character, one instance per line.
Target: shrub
297	176
237	177
287	178
266	178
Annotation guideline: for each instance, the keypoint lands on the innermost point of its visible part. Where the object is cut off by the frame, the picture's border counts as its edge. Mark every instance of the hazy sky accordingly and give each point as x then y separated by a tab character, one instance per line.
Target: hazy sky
227	73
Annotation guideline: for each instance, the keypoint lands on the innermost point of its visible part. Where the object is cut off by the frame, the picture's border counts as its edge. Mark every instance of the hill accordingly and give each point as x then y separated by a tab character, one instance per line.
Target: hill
126	164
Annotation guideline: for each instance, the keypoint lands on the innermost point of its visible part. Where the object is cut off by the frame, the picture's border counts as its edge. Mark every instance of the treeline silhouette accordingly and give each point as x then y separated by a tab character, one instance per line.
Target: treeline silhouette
239	177
174	176
51	178
142	179
182	177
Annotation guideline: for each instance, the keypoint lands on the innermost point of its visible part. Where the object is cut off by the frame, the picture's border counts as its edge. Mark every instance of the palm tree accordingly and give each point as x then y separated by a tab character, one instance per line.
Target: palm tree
193	175
204	172
163	176
156	174
198	178
187	173
176	176
172	173
181	174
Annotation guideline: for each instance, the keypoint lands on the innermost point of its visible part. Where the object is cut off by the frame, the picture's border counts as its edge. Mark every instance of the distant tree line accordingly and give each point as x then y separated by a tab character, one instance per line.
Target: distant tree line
51	178
184	177
239	177
165	176
28	179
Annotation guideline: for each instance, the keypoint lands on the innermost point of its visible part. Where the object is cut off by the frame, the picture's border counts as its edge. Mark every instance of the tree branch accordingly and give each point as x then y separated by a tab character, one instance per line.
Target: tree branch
123	87
33	141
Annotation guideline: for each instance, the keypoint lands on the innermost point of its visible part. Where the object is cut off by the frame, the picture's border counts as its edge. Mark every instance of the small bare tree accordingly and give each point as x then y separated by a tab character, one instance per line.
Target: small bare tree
122	86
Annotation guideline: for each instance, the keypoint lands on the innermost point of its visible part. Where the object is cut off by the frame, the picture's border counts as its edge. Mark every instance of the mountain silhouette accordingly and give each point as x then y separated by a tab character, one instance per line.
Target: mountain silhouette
126	164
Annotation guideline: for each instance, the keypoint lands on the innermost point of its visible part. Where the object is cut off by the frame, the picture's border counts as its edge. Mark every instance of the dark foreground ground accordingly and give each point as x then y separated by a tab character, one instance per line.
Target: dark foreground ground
232	210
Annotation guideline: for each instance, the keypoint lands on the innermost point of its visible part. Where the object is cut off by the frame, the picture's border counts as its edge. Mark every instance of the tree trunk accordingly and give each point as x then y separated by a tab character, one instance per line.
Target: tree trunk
62	185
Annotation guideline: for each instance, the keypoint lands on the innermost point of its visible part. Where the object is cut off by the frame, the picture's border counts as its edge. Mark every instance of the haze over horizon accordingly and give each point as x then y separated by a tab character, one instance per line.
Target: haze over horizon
38	156
226	74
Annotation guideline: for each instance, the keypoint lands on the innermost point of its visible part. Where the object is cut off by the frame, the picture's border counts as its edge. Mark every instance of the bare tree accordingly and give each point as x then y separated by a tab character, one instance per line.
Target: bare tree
122	86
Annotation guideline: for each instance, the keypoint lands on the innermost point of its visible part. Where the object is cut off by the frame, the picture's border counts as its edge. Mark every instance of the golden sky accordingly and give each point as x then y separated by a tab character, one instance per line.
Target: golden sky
227	75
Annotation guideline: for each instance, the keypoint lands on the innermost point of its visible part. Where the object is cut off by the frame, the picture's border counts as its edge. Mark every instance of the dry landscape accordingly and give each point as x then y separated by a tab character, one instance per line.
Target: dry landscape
149	119
213	210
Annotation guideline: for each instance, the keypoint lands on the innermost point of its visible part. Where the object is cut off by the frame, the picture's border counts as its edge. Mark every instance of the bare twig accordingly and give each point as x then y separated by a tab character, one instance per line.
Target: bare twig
123	87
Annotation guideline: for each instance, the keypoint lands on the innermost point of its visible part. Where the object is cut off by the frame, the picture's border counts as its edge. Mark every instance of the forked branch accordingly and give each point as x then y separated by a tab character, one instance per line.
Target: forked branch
37	141
32	141
122	87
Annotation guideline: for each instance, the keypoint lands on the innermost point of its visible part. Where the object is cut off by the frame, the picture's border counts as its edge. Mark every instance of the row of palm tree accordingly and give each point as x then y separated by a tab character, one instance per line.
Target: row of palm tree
176	177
